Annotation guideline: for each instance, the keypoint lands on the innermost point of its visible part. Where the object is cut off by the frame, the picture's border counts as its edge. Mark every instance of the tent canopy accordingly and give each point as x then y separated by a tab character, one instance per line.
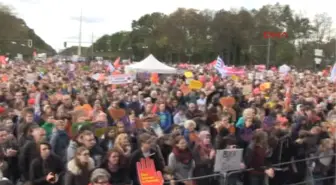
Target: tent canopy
151	65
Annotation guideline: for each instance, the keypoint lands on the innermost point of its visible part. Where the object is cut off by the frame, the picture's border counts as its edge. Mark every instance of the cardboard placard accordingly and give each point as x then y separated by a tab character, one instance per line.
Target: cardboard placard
227	101
117	114
195	84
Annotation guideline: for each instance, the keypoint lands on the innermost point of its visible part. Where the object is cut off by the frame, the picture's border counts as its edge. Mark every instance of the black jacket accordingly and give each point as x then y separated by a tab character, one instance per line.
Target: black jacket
136	156
27	154
119	177
39	169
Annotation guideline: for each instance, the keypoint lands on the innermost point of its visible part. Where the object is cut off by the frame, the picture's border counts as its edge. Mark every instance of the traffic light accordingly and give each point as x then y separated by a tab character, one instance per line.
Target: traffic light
65	44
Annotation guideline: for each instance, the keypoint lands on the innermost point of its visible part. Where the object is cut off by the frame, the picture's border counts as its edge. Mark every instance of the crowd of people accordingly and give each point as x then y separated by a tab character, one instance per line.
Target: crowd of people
61	126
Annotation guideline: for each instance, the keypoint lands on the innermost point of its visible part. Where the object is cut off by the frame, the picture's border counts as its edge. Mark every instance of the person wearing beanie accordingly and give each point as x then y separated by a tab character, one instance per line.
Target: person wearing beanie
100	177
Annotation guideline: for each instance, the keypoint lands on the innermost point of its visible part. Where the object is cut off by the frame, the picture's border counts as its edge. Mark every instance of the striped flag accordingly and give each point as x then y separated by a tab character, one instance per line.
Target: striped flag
219	63
333	73
219	66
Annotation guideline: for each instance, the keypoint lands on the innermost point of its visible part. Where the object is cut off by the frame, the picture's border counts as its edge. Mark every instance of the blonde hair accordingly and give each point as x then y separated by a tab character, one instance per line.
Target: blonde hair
325	143
189	123
247	112
117	142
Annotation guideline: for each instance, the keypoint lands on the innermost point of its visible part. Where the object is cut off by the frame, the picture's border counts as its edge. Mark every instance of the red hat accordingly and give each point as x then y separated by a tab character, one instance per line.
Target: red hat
31	101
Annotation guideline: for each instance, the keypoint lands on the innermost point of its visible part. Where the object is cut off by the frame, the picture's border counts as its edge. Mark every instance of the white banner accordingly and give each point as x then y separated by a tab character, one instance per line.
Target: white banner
228	160
120	79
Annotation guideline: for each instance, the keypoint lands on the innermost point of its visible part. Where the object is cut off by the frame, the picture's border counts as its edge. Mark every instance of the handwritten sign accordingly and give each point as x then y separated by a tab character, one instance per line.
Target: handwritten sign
228	160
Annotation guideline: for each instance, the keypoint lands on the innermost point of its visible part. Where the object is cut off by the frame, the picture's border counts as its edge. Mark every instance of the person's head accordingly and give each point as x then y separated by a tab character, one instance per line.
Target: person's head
29	116
190	125
179	94
260	138
82	155
111	133
181	143
60	125
19	96
176	130
192	107
181	110
162	107
146	141
100	177
67	101
248	113
87	139
122	140
205	137
113	157
326	144
39	134
44	149
121	127
3	135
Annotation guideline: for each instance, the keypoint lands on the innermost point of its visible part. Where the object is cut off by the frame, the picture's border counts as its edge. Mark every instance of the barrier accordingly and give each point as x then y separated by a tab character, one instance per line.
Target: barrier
225	179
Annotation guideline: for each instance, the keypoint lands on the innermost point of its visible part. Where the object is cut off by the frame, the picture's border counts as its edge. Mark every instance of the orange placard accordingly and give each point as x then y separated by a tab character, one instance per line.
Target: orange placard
185	89
117	114
147	173
227	101
265	86
155	78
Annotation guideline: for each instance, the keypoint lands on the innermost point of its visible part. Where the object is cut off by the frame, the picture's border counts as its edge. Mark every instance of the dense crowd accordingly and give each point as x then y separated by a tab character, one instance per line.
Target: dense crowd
61	126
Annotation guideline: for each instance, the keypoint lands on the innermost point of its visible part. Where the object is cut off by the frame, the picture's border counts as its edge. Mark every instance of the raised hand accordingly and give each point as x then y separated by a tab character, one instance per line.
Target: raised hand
147	172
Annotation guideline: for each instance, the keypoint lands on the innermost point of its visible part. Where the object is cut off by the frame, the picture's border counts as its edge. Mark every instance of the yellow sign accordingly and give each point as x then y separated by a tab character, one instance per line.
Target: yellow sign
234	77
195	84
188	74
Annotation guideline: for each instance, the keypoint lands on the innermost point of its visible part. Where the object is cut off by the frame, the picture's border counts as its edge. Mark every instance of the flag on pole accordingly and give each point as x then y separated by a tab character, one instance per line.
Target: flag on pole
116	63
219	63
219	66
110	66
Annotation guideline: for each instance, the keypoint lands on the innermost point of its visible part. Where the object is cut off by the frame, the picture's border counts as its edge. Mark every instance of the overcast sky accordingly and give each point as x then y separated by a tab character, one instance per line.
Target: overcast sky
57	21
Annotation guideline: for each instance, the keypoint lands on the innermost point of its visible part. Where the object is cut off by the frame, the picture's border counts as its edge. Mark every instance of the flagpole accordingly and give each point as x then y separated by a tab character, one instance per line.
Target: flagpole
79	51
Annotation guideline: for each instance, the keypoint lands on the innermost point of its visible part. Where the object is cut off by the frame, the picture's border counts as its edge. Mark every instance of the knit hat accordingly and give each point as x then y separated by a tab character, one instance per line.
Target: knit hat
99	172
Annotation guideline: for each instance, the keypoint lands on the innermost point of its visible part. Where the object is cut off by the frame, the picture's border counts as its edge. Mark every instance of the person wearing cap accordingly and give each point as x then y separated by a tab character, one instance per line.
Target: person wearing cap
100	177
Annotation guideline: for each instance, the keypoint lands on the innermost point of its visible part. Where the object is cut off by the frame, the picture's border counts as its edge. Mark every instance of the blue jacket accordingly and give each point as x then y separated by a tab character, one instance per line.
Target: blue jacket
166	121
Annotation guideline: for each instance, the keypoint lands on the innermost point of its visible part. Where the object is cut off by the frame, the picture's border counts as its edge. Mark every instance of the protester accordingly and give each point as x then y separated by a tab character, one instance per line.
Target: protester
63	127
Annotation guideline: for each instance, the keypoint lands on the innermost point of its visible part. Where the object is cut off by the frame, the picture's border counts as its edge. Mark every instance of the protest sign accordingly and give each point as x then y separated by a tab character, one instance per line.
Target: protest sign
247	90
228	160
188	74
147	172
195	84
120	79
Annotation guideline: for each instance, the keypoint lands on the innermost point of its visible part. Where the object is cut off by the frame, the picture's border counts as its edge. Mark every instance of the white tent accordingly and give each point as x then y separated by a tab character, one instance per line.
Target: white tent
151	65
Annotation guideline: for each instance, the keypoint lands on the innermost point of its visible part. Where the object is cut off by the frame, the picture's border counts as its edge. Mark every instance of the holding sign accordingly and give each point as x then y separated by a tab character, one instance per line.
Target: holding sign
228	160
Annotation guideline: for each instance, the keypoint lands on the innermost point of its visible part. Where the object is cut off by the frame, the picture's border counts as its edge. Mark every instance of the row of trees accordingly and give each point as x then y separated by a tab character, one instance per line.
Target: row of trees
236	35
14	36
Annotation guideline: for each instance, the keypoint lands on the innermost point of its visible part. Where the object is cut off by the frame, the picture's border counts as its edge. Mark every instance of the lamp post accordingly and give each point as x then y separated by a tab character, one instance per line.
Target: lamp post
79	51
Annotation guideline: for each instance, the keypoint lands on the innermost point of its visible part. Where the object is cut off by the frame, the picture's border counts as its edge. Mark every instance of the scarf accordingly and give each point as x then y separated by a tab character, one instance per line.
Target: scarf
183	156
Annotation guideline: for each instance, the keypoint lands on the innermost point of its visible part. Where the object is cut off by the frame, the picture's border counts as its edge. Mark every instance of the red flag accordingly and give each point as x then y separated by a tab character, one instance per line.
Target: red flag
116	63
